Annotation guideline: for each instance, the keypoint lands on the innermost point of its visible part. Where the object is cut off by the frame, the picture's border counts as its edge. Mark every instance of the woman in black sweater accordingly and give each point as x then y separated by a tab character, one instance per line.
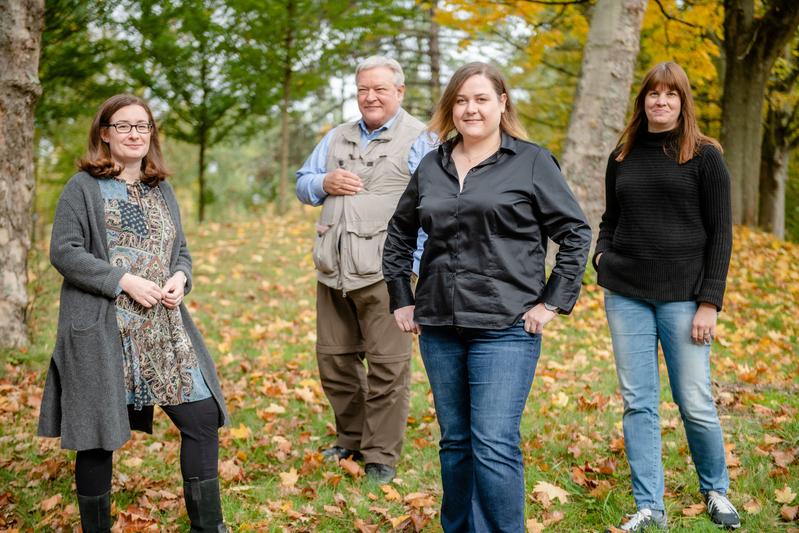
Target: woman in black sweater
662	256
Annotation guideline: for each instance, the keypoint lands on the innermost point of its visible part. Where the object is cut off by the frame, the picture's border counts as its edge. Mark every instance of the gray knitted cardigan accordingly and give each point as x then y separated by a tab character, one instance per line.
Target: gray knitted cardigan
84	395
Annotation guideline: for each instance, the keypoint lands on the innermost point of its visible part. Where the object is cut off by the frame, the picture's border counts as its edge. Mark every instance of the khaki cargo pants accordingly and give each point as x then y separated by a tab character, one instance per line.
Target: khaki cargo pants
370	401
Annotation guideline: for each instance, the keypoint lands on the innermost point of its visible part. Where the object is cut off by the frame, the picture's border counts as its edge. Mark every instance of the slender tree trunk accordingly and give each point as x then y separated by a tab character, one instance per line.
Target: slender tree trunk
284	145
600	105
201	177
435	55
202	127
773	176
21	24
751	44
284	110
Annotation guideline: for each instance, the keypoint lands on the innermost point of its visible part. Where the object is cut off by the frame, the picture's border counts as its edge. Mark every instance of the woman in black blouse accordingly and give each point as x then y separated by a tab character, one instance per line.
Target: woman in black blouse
662	256
488	201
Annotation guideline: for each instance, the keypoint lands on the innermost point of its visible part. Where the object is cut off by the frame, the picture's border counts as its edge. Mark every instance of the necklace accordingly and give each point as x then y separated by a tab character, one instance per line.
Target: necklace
477	158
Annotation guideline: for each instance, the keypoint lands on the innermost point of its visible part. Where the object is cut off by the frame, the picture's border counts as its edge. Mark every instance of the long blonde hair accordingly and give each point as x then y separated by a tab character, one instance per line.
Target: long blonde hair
442	123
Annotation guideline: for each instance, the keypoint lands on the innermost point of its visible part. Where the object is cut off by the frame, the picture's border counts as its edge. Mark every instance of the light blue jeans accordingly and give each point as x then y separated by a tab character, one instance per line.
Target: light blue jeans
480	381
636	326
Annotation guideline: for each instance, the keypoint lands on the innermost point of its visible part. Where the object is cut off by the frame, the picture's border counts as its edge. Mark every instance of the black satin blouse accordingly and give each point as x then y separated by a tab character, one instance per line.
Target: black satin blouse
483	264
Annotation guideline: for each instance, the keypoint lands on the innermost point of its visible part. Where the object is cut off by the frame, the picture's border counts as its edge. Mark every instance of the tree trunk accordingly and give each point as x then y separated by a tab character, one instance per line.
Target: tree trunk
751	44
202	130
435	56
741	135
600	104
201	177
21	24
284	111
773	176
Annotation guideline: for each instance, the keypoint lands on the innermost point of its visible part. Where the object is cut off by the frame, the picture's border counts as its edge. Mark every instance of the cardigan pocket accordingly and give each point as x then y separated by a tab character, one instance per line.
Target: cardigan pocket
83	372
82	331
87	312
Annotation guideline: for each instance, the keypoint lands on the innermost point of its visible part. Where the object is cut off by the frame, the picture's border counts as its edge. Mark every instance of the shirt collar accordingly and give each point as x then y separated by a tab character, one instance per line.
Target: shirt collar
507	144
384	127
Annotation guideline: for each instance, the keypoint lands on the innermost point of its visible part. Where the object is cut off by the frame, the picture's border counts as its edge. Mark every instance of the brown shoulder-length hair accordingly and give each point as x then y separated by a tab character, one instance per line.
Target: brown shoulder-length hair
97	160
442	124
688	139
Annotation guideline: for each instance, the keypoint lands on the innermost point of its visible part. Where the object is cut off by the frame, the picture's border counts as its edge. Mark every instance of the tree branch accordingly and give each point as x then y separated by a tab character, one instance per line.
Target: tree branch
546	2
538	120
675	19
773	30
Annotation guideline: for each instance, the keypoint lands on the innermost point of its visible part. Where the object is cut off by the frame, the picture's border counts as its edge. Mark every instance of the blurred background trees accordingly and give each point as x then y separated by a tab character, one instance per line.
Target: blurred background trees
243	89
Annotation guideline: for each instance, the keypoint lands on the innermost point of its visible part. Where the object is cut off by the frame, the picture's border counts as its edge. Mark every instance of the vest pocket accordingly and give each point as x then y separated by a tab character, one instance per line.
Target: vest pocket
365	241
325	249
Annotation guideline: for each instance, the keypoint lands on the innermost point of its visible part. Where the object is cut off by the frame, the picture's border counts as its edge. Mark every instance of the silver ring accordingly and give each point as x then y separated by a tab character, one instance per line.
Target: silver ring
708	341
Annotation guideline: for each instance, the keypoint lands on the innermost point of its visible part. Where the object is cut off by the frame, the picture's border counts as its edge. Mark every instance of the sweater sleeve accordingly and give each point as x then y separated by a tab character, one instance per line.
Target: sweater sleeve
715	203
607	227
400	244
68	249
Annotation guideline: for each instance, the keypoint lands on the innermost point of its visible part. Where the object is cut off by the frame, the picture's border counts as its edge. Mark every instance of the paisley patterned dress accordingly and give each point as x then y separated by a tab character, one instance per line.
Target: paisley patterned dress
160	364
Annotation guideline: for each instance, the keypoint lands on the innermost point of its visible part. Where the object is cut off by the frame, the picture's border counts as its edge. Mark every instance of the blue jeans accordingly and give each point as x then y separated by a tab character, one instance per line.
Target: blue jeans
480	381
636	326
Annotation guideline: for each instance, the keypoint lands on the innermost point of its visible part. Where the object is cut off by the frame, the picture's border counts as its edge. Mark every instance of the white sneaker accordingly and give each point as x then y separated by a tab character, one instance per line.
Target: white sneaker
722	512
643	519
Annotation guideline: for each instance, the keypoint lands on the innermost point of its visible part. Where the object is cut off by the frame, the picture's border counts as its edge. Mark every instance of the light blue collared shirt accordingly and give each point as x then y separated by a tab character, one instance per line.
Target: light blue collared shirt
311	176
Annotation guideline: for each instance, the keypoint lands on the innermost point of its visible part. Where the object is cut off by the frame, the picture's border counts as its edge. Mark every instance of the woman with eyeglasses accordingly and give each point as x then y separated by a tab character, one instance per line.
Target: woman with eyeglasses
125	340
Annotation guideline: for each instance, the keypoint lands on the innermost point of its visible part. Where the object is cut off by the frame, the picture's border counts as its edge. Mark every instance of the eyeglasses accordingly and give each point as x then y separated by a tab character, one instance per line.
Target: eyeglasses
124	127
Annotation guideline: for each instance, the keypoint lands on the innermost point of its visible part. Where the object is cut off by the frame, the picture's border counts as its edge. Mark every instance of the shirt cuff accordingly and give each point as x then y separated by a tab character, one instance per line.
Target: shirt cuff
561	292
317	188
400	294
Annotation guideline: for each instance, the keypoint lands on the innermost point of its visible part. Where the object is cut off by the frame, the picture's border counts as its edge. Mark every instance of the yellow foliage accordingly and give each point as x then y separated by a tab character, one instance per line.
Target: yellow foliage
546	48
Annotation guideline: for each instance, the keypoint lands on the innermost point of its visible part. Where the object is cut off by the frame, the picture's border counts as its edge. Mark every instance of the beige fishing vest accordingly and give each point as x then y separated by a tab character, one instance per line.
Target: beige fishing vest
348	252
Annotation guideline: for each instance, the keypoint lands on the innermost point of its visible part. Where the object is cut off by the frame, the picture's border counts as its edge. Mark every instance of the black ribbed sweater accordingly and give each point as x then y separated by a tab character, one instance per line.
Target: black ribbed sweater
666	233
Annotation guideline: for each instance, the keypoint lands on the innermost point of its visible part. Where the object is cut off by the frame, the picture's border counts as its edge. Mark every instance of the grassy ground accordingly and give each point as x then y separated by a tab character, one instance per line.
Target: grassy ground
254	301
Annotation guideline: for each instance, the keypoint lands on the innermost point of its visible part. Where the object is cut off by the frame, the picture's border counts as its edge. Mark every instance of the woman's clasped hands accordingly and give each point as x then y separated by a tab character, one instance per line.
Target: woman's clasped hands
148	293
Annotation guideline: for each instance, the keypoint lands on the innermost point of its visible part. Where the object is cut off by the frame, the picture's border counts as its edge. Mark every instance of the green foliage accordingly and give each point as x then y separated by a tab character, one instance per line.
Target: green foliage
75	67
77	73
185	56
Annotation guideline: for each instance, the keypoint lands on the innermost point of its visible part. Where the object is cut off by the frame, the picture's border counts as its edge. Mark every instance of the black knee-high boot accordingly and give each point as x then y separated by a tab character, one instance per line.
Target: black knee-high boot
95	513
203	505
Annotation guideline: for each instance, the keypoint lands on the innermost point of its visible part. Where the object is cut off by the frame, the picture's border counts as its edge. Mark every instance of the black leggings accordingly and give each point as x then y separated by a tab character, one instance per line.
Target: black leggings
199	449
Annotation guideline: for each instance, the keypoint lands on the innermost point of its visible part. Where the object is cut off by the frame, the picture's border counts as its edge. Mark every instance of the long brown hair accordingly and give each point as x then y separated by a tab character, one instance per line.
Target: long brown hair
97	160
442	124
670	76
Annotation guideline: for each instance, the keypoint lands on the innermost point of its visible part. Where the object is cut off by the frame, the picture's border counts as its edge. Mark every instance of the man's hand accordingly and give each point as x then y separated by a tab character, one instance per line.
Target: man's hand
342	182
404	318
536	318
173	290
143	291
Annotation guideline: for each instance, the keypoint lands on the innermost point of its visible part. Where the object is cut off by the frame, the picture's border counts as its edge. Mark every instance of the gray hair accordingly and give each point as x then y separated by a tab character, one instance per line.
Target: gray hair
382	61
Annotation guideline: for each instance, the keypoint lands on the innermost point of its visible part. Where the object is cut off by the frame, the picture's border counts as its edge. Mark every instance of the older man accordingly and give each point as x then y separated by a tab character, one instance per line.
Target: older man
357	173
